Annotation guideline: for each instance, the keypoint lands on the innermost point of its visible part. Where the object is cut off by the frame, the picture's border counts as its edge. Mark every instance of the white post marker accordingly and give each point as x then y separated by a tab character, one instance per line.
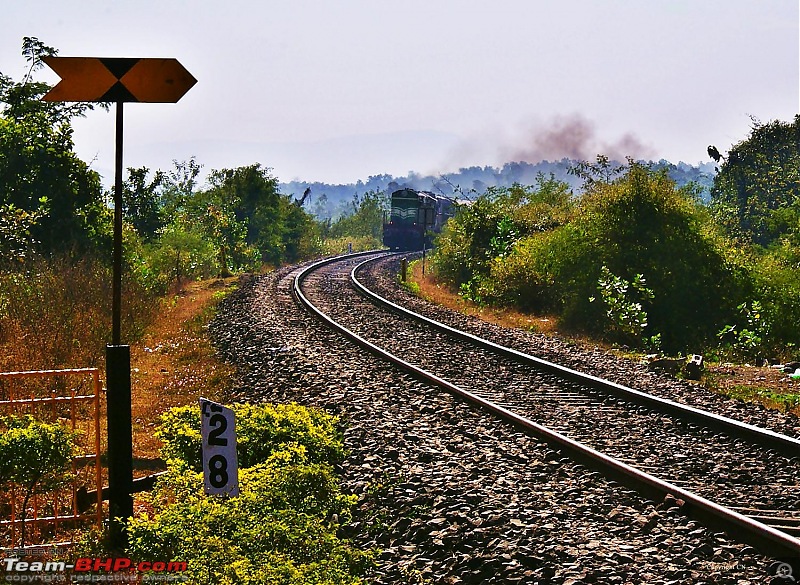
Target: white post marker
220	464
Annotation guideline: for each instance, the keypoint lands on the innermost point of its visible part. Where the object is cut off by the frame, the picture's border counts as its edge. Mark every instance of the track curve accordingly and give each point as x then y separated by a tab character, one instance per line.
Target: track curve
773	541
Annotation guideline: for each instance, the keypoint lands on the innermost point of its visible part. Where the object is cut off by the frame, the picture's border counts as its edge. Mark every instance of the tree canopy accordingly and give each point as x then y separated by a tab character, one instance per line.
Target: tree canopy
756	194
40	174
633	257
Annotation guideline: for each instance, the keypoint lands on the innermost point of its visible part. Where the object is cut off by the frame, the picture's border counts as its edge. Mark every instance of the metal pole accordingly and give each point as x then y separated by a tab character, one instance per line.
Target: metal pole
120	444
118	383
424	222
117	253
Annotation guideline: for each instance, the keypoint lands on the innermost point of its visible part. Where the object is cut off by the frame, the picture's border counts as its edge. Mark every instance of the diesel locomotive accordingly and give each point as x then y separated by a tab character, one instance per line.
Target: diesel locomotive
415	215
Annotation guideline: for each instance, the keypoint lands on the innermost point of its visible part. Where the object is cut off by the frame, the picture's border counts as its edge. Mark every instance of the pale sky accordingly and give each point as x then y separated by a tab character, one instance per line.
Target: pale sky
338	91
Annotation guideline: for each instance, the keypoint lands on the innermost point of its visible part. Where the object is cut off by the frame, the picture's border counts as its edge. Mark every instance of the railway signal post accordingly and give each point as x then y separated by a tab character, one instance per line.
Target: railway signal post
119	80
426	216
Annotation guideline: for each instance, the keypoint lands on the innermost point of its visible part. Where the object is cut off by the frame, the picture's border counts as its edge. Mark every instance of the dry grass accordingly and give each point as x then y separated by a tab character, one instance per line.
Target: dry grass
757	385
56	313
174	365
432	290
769	387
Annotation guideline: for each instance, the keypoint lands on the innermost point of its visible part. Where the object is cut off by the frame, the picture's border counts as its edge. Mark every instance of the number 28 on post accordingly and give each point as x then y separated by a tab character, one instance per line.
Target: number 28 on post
220	464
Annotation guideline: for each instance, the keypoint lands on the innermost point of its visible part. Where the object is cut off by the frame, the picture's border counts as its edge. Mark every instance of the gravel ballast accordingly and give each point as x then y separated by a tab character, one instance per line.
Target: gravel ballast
448	494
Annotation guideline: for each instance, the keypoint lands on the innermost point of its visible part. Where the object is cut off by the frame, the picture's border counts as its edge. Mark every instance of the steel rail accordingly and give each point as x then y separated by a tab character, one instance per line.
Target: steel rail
784	444
769	540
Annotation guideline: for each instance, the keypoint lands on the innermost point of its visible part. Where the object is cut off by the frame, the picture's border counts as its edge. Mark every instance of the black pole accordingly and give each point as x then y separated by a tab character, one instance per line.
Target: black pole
424	237
117	260
120	443
118	383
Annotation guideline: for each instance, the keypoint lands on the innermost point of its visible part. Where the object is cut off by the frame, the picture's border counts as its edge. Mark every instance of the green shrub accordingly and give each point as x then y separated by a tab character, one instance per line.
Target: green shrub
35	456
638	224
622	300
642	224
32	450
489	228
747	340
261	430
768	325
280	529
779	294
243	540
180	253
539	275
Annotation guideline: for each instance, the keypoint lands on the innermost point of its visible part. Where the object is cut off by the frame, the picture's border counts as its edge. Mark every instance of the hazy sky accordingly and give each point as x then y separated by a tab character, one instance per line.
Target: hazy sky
337	91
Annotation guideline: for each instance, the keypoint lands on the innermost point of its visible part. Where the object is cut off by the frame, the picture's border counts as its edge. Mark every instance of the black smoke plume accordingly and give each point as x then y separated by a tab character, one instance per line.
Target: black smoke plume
573	137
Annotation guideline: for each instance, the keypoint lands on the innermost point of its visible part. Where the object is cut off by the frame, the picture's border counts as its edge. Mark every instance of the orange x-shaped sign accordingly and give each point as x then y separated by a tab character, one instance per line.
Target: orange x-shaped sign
118	79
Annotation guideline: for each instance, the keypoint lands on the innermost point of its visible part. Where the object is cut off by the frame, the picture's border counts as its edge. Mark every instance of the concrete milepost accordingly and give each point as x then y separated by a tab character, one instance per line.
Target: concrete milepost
119	80
220	461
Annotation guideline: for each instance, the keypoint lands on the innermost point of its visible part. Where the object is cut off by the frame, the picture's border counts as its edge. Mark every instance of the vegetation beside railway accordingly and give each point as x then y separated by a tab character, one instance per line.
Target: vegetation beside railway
282	528
287	453
56	226
641	264
635	260
182	240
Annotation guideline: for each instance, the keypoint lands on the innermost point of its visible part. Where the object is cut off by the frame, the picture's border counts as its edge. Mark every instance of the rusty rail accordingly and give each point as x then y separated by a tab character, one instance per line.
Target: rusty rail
770	540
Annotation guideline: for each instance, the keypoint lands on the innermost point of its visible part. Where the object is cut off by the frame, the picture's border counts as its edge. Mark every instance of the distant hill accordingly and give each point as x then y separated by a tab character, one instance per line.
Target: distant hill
331	201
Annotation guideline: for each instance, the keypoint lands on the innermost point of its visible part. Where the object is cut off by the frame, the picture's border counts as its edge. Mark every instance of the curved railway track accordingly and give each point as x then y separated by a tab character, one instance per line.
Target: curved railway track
728	475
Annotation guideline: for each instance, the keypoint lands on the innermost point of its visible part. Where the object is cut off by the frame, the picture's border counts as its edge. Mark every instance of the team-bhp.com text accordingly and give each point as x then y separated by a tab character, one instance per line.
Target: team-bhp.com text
86	570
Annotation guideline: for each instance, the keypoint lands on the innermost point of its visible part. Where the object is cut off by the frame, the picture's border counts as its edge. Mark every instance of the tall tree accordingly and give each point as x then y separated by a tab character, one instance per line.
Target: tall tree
756	194
39	171
180	185
215	210
142	204
251	195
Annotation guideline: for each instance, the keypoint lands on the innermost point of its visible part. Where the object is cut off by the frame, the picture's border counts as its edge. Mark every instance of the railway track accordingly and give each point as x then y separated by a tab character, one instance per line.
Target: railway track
729	475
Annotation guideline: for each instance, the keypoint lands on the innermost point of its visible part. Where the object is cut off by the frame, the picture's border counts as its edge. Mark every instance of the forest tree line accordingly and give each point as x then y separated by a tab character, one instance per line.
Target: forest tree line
652	255
179	224
641	261
331	201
